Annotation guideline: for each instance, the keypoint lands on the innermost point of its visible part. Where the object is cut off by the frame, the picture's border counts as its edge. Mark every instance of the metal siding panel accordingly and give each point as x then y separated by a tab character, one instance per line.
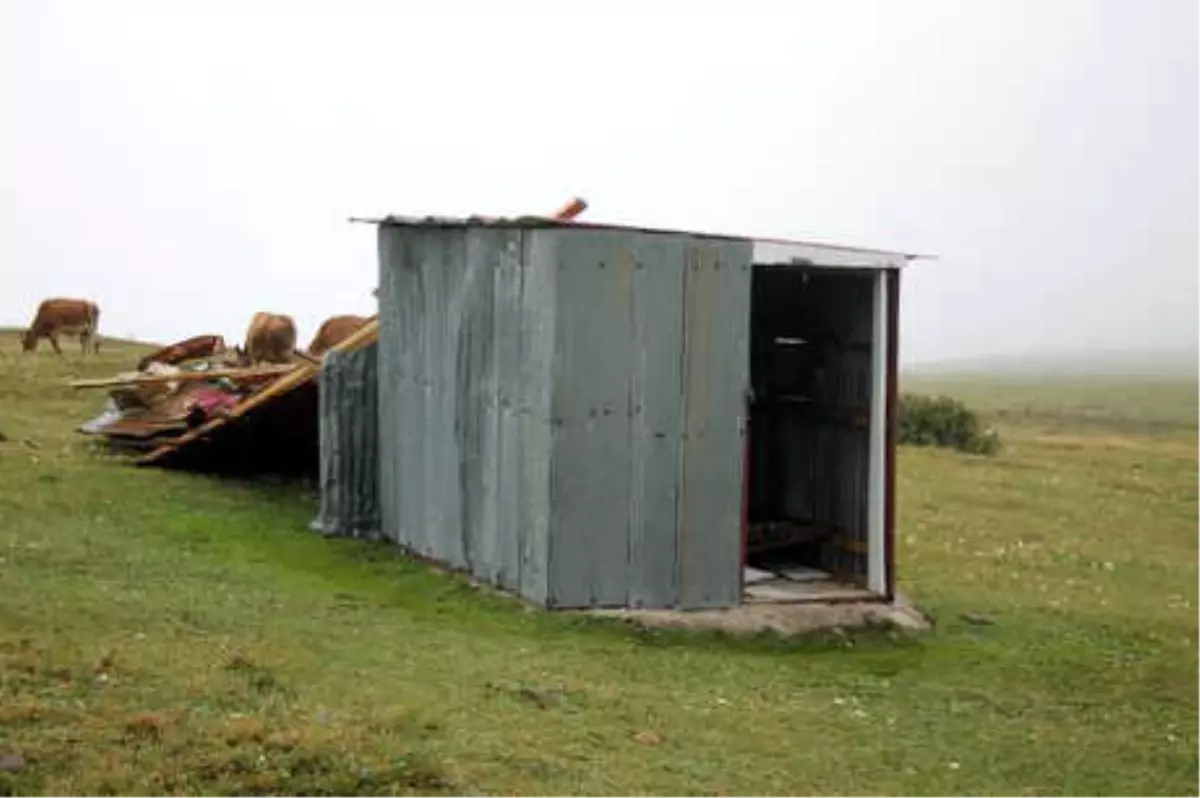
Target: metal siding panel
443	267
591	417
656	406
348	429
399	292
417	431
464	408
475	404
715	380
539	311
508	276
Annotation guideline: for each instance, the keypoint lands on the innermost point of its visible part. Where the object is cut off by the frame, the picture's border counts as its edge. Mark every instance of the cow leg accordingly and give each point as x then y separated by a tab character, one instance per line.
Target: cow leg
84	340
54	343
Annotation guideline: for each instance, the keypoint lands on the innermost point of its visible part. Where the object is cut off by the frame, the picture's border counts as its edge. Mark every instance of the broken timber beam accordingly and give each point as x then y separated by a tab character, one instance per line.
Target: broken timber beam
188	376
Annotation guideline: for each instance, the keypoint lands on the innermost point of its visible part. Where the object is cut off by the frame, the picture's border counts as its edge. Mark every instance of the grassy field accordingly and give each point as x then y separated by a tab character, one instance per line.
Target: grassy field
170	633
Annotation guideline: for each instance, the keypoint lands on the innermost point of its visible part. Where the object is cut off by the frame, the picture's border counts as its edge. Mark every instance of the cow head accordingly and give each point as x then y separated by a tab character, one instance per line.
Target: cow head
28	340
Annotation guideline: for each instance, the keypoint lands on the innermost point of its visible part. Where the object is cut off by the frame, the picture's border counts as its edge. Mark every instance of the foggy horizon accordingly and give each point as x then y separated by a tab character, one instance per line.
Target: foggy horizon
186	165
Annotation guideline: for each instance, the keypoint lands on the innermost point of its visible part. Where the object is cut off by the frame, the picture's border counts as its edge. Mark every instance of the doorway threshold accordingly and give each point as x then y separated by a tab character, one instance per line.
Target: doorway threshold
797	585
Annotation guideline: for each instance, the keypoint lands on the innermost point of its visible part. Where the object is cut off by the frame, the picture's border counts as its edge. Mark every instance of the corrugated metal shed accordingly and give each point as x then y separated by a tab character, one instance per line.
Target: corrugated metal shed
563	408
552	403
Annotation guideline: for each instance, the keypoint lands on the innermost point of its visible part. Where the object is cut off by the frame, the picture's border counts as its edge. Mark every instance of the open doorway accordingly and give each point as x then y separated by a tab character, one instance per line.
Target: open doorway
813	345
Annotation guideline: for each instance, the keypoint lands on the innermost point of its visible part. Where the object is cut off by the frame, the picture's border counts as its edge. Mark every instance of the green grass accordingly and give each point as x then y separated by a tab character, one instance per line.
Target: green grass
172	633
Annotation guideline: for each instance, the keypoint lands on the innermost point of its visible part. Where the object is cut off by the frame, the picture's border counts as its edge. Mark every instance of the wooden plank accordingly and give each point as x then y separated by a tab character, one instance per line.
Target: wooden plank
186	376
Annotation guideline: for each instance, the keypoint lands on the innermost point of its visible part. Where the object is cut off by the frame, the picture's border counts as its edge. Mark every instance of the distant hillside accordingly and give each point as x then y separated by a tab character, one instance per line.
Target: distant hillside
1181	364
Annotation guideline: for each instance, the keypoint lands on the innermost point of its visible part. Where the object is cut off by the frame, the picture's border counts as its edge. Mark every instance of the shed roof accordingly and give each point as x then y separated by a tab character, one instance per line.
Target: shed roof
769	248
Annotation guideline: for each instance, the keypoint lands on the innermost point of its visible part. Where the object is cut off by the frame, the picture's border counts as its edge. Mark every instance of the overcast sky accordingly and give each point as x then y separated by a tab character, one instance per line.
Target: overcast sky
186	164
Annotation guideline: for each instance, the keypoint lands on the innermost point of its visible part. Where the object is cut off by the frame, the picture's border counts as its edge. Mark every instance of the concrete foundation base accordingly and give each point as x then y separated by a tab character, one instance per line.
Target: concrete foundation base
784	619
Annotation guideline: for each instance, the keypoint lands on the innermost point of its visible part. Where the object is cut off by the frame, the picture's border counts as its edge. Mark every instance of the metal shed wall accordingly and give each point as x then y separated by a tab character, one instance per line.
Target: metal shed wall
561	410
648	399
348	428
466	332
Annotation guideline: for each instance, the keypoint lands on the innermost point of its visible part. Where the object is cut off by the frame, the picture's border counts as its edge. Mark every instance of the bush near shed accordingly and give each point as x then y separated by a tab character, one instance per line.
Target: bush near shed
944	422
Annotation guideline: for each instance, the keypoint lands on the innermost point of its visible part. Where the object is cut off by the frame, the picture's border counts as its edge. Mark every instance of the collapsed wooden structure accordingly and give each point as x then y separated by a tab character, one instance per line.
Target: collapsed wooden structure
201	415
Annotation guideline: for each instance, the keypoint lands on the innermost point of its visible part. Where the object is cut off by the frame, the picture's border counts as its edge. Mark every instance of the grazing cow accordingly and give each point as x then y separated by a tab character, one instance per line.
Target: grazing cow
334	330
271	338
61	316
190	349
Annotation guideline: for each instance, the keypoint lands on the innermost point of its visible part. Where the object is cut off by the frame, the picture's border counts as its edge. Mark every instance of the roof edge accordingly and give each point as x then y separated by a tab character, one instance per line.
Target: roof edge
532	221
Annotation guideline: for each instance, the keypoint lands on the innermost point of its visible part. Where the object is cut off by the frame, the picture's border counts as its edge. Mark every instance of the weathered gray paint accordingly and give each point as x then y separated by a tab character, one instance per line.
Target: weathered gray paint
463	433
656	389
539	314
716	322
561	411
649	382
591	457
349	424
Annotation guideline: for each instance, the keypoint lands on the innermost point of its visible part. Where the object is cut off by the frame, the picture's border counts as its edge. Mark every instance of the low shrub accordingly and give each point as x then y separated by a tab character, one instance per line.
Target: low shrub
944	422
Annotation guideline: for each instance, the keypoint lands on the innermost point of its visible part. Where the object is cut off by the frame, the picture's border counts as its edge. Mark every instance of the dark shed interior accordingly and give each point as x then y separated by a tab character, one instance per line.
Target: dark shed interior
808	465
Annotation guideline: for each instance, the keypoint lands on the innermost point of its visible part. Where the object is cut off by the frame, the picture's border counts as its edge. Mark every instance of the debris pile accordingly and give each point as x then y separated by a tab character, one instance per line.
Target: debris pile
212	413
147	408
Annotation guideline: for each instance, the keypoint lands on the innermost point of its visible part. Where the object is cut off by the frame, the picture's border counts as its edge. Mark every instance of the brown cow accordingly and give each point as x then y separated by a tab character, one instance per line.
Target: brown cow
270	338
334	330
57	316
195	347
